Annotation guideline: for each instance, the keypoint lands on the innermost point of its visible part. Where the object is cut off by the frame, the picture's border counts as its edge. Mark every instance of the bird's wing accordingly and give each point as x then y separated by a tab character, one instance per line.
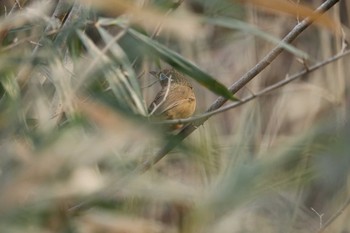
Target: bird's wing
174	104
166	106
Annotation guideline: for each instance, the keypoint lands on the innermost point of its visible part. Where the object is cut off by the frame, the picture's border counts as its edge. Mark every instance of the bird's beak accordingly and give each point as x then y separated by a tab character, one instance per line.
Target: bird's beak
153	73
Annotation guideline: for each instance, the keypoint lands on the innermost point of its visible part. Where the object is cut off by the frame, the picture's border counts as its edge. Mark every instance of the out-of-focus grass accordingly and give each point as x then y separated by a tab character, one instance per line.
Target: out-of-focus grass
73	122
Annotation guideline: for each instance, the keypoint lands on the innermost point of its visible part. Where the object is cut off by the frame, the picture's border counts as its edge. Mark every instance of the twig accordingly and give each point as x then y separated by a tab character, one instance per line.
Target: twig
265	91
19	5
14	7
335	216
149	85
267	60
320	216
160	25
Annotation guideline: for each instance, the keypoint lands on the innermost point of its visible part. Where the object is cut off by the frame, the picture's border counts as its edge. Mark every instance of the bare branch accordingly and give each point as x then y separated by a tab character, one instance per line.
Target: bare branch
335	216
149	85
320	216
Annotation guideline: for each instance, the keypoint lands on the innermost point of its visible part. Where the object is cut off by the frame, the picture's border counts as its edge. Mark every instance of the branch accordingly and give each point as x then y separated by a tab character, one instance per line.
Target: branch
267	60
335	216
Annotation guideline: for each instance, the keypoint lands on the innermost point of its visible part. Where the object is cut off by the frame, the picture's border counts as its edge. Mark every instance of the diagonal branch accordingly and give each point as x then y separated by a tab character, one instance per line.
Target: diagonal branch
267	60
335	216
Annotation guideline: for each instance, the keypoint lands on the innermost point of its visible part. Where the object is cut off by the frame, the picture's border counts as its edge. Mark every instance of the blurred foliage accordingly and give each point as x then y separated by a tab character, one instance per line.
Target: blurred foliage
218	8
74	129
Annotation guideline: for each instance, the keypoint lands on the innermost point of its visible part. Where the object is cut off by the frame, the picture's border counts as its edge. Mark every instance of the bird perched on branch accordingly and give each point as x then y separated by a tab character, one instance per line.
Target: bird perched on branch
175	100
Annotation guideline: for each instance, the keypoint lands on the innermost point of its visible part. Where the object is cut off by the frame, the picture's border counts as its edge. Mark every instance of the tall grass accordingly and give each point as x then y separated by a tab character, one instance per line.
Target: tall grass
77	149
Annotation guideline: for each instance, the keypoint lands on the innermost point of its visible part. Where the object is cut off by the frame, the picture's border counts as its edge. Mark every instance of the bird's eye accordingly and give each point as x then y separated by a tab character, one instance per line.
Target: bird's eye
162	77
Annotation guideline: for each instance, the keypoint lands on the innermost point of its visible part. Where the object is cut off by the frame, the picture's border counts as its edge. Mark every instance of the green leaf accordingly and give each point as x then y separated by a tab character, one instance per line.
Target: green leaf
183	65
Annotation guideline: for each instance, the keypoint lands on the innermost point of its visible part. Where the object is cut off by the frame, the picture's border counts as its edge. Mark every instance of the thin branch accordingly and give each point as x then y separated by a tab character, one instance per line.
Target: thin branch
320	216
265	91
335	216
14	7
149	85
267	60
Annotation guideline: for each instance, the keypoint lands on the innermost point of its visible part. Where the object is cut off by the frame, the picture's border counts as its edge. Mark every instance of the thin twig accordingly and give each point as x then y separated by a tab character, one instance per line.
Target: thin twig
14	7
320	216
149	85
335	216
267	60
160	25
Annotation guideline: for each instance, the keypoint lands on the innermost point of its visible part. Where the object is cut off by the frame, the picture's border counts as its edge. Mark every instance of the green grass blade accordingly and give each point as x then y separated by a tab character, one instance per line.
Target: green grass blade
183	65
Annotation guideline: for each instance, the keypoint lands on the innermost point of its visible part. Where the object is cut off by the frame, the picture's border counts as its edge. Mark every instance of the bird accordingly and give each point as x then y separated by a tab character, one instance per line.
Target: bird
175	100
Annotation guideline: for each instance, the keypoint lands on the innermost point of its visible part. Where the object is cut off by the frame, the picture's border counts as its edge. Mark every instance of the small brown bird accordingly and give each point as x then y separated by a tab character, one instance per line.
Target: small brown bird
175	100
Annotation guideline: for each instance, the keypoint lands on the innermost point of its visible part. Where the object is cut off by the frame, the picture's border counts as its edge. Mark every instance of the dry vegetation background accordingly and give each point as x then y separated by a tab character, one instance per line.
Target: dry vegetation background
77	150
